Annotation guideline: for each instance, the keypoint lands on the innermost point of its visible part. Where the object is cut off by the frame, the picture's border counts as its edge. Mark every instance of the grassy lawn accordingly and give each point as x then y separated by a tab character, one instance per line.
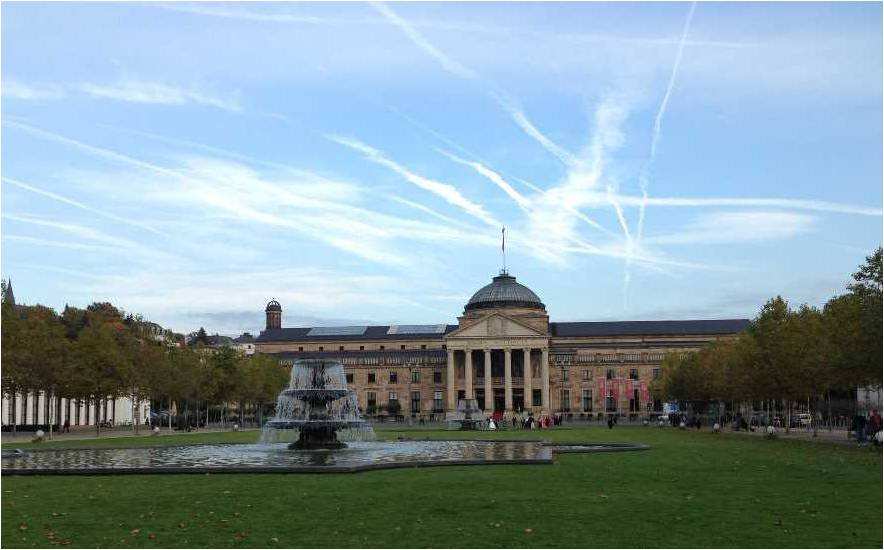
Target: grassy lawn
692	489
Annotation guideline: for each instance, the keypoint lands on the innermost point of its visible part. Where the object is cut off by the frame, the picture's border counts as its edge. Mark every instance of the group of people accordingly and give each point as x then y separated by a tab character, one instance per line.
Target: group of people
867	428
526	422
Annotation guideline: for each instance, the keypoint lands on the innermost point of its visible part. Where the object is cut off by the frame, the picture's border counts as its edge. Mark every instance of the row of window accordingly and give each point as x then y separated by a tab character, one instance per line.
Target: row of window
558	358
437	376
362	348
631	357
394	377
610	374
371	401
610	402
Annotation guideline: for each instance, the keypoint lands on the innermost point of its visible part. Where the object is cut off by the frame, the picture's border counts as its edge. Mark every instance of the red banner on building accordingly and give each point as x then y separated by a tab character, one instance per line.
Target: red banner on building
629	388
646	394
614	386
600	386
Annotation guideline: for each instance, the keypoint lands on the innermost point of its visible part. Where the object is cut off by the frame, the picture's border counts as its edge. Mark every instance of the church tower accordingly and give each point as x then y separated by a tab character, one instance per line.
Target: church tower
273	312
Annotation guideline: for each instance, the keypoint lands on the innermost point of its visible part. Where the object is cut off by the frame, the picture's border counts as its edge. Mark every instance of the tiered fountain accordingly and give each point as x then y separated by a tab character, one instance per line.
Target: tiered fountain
468	416
318	404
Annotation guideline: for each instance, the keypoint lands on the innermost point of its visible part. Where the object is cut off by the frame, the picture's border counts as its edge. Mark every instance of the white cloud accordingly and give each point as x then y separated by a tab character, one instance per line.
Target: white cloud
595	198
100	239
57	244
127	90
139	91
244	15
18	90
738	227
80	205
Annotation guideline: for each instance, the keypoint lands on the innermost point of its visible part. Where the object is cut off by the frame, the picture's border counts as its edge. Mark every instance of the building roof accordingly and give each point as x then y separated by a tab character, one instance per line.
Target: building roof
557	330
218	341
371	332
641	328
273	305
244	338
504	291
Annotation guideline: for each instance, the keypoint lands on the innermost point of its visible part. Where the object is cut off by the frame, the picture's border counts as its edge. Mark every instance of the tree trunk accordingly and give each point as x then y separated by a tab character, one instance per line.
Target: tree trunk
829	408
136	417
48	396
788	415
812	411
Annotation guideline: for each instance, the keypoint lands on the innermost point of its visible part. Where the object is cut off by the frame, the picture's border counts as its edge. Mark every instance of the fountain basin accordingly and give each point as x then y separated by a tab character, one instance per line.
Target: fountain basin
298	424
277	458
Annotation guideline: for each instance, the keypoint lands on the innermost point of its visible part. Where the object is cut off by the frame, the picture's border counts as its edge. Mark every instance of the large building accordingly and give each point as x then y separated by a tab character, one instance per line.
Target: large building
504	352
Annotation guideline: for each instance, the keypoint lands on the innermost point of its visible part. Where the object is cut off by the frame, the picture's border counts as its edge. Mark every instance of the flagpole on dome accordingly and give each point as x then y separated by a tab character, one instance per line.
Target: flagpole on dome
503	250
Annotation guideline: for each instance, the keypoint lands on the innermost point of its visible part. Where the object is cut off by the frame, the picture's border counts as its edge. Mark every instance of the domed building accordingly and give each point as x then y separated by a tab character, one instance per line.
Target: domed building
504	352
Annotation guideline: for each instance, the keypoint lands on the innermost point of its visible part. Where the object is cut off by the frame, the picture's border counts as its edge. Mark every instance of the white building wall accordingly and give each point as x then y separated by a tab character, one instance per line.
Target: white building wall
120	411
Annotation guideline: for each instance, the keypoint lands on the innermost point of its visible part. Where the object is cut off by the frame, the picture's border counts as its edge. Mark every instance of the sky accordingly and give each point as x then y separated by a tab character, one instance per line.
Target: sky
189	162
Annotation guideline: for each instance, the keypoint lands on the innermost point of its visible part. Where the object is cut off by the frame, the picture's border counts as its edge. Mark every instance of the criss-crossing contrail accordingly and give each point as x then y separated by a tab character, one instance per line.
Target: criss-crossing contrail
655	138
658	119
502	99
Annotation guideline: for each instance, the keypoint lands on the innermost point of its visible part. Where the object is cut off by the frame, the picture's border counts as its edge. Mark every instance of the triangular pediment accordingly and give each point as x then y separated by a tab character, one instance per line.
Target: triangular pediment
493	326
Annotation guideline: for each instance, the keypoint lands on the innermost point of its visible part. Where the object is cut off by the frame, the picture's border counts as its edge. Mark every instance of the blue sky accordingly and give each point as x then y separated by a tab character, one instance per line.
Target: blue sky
356	161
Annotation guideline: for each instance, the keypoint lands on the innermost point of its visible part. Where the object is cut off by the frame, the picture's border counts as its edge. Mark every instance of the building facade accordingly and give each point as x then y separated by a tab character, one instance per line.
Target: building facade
34	409
504	352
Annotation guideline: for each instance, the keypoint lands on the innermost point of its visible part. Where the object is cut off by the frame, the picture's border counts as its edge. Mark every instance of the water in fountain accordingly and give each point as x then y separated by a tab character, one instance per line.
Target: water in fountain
468	416
319	407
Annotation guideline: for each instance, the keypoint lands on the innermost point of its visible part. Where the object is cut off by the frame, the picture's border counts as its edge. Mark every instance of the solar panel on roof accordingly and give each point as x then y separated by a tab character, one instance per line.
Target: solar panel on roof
337	331
416	329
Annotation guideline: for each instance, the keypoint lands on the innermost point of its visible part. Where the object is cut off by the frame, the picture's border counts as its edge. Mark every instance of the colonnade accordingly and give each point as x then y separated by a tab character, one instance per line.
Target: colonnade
528	378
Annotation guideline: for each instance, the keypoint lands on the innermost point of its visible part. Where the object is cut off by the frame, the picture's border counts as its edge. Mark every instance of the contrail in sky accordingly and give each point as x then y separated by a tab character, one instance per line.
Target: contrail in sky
655	138
80	205
658	120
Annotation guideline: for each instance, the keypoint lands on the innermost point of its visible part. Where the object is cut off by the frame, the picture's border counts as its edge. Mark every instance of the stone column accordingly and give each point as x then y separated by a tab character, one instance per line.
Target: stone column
544	373
468	374
508	379
489	387
529	389
449	380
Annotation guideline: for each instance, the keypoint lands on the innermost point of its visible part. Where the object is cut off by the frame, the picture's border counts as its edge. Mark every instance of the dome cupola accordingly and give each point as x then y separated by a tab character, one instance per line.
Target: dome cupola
502	292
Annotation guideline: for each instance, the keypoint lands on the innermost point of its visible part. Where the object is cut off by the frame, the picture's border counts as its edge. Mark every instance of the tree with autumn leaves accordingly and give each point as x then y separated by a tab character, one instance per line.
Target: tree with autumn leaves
789	356
100	352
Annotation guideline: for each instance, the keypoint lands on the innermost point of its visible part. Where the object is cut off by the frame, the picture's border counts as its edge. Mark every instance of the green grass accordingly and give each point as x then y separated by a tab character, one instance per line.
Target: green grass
690	490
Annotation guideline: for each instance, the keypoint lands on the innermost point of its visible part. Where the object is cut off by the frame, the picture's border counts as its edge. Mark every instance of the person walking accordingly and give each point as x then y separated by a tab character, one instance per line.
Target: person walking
873	426
859	428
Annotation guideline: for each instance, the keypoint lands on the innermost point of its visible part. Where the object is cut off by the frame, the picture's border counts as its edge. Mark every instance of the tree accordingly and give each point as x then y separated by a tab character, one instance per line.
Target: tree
201	337
15	372
869	277
145	355
99	365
